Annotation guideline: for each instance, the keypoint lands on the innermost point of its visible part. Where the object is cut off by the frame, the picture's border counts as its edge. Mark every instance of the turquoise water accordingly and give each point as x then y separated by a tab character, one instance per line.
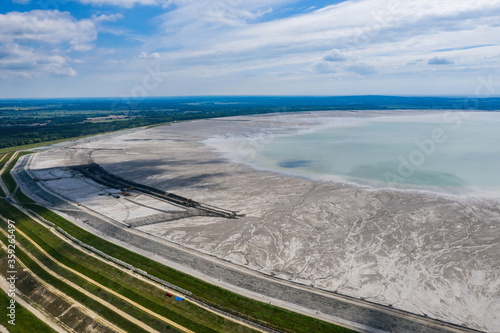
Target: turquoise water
451	152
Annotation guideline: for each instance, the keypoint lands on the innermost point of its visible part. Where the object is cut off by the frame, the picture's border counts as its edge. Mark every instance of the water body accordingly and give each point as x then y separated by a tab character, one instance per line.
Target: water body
451	152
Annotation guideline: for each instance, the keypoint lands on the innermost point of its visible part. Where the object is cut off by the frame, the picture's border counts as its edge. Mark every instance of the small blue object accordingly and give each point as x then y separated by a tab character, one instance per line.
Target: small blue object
178	299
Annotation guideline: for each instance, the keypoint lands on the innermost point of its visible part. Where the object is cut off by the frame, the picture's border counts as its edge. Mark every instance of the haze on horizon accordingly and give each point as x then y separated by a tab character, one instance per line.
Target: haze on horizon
99	48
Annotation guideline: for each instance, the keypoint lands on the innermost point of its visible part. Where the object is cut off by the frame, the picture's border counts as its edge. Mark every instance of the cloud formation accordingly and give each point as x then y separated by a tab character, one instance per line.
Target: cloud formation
269	46
145	55
354	32
39	41
46	26
16	60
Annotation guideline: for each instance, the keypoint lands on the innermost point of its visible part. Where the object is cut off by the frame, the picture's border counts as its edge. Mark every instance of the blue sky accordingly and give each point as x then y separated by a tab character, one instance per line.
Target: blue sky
140	48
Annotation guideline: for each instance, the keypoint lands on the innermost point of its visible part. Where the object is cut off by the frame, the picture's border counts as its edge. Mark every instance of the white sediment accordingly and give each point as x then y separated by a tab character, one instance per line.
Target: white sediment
423	252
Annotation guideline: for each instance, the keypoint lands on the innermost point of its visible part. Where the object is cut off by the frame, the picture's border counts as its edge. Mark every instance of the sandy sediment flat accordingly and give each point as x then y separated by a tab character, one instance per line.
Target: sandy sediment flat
425	253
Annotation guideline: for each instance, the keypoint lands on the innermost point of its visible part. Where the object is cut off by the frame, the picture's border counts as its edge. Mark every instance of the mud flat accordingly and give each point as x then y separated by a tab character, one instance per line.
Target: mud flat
427	253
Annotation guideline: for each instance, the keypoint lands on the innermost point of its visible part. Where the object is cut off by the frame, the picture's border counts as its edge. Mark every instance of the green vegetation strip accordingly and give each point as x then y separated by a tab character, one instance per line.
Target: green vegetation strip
26	322
184	313
105	312
36	145
5	159
224	299
13	149
21	197
7	177
27	137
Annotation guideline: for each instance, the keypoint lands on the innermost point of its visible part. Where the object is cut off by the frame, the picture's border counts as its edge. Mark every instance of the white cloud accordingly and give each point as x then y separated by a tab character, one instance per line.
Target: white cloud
46	26
107	18
39	42
145	55
369	37
233	16
355	44
21	61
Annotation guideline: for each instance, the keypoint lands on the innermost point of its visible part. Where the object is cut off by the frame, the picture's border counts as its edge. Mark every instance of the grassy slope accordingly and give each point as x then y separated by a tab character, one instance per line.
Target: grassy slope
71	292
184	313
6	158
21	197
7	177
26	322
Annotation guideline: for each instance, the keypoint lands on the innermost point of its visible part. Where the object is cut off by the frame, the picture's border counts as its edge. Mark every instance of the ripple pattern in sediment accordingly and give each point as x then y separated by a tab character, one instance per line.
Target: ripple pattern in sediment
420	252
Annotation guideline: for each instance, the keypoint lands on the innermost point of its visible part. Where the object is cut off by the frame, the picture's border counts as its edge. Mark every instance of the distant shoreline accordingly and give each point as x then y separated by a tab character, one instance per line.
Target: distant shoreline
235	147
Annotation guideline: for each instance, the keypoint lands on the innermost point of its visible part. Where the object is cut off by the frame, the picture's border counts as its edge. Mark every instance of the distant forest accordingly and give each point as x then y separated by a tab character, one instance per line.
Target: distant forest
24	122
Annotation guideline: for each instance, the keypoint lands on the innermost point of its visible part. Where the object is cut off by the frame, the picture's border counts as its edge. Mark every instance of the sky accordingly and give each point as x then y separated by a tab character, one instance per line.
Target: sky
142	48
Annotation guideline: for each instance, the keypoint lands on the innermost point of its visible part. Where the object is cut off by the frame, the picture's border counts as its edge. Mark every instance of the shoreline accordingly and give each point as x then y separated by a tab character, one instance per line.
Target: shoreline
374	245
225	147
